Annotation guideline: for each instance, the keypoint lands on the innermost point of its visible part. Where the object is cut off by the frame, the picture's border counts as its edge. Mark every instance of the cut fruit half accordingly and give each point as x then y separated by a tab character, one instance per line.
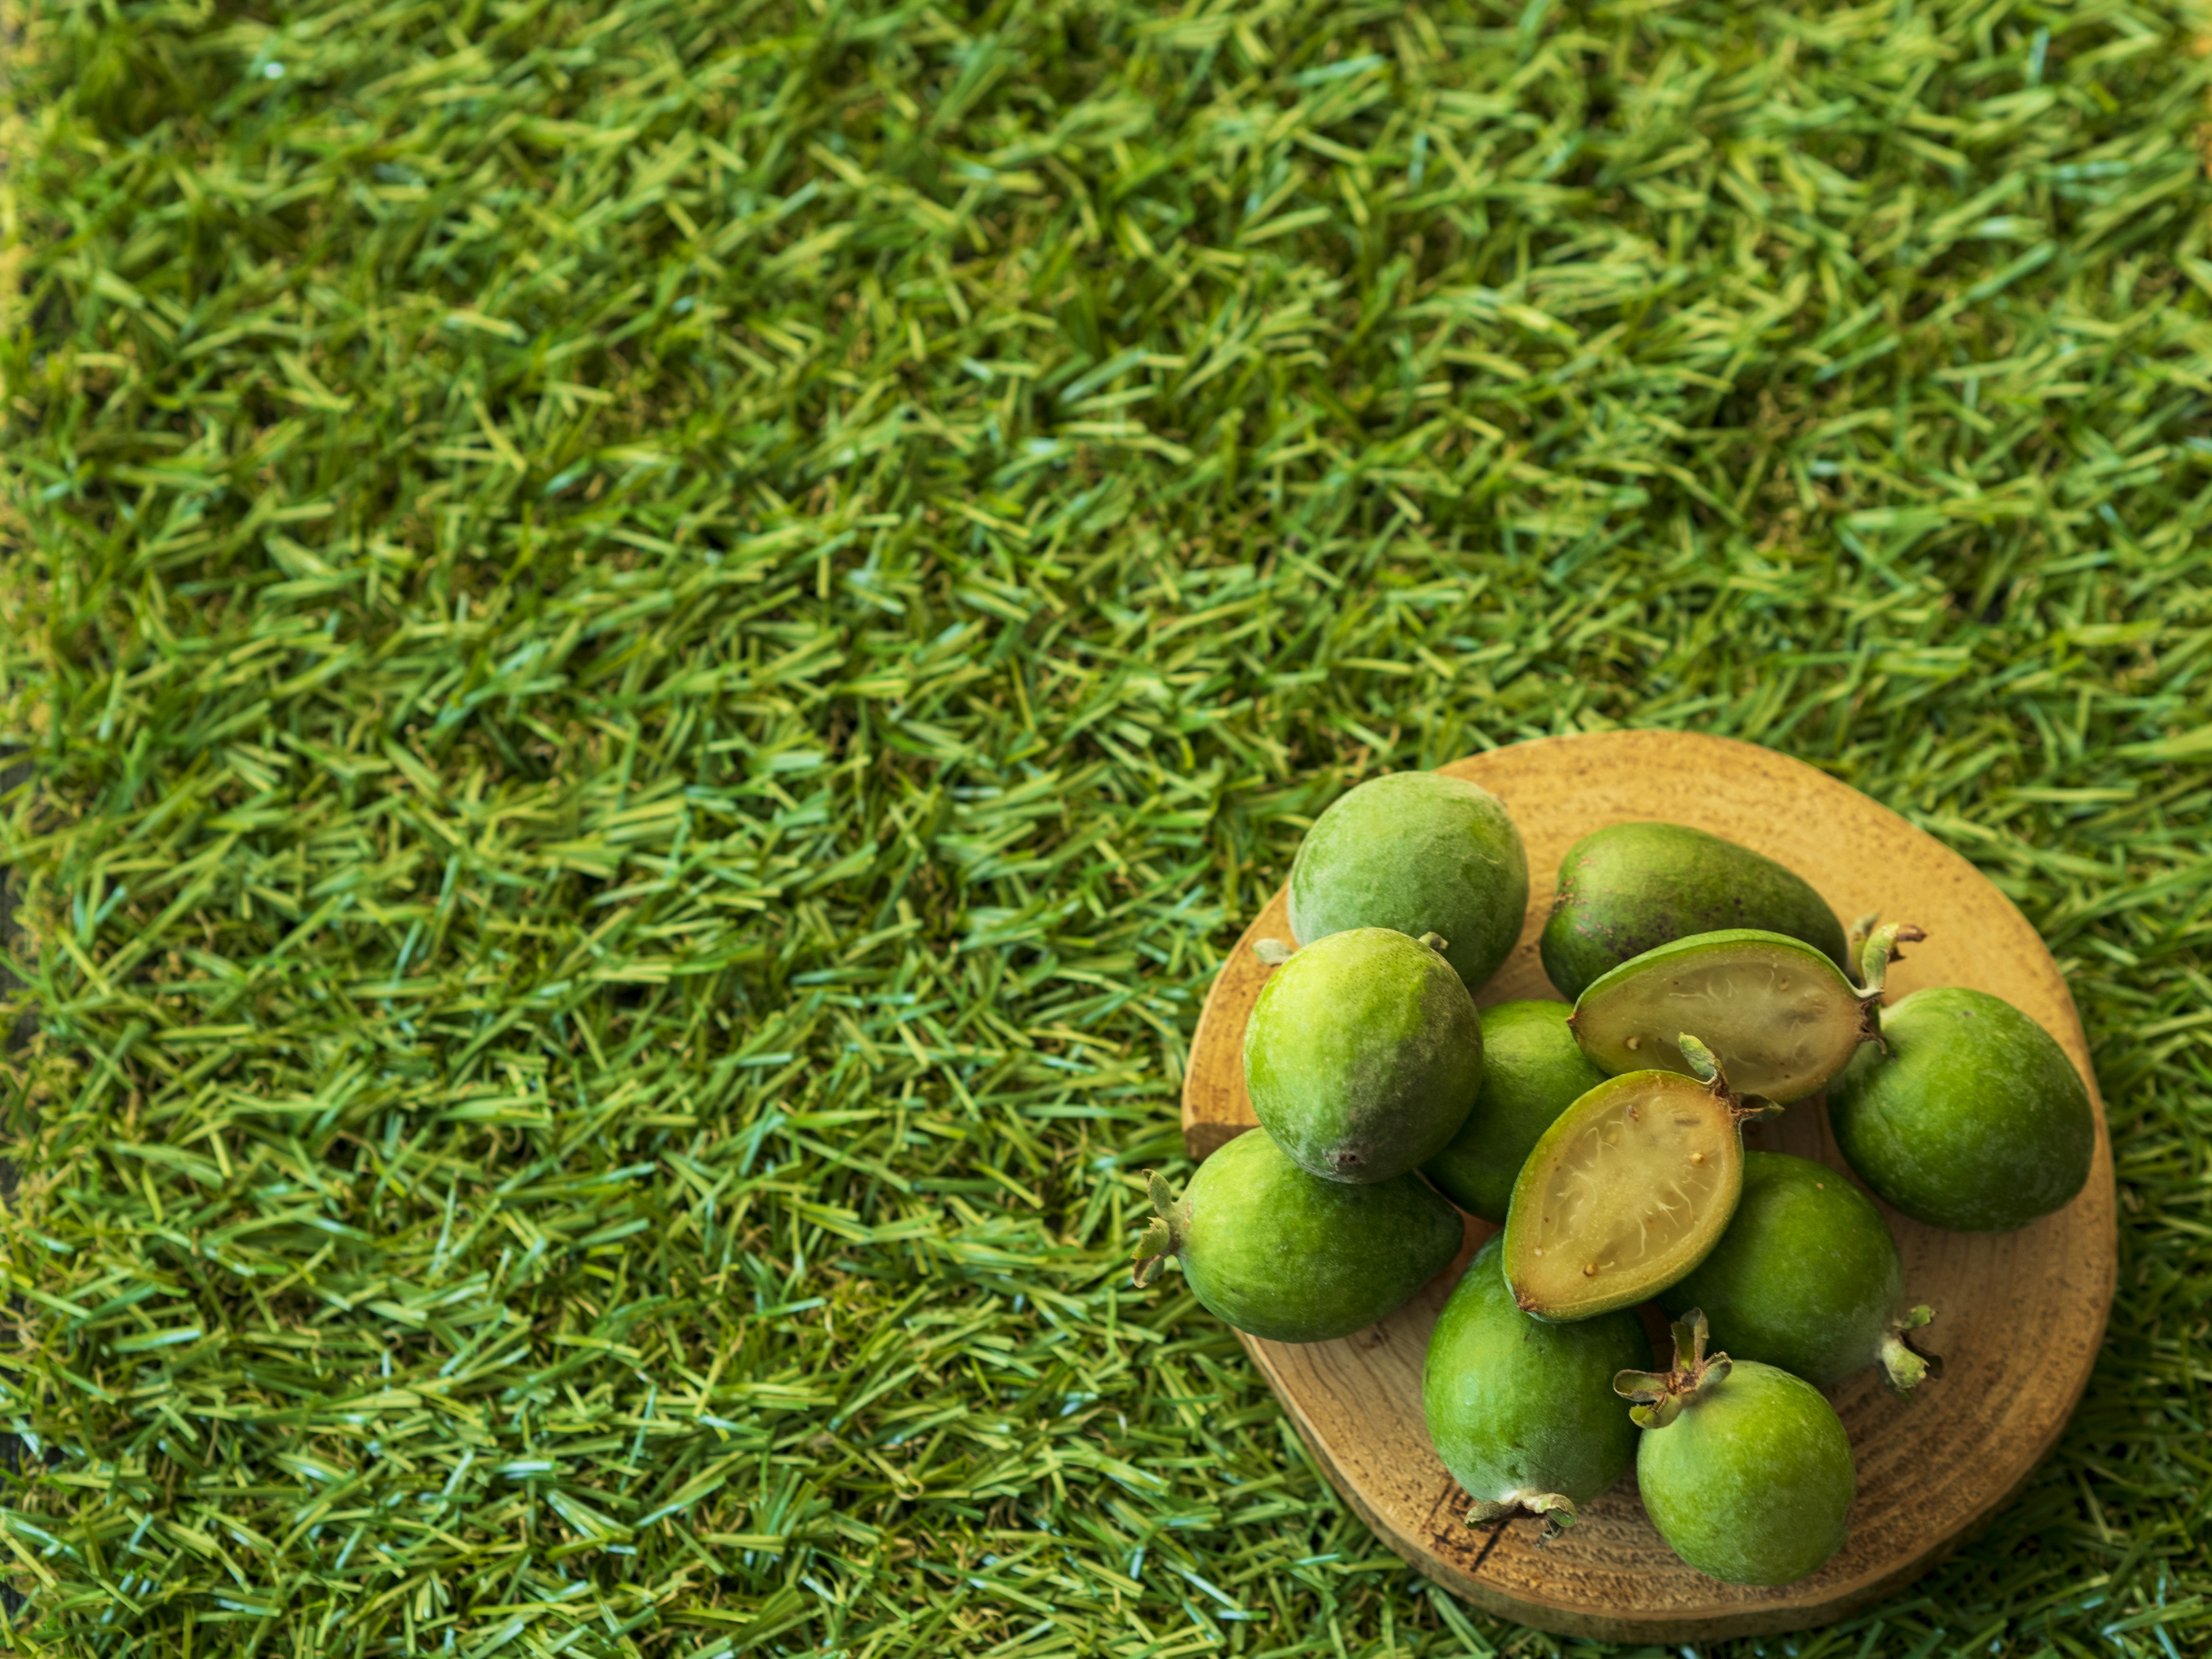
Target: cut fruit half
1627	1192
1780	1018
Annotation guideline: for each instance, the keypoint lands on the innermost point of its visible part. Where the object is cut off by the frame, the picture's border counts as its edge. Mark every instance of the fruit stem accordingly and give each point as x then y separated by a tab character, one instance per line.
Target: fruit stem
1164	1236
1706	1066
1558	1512
1661	1396
1904	1367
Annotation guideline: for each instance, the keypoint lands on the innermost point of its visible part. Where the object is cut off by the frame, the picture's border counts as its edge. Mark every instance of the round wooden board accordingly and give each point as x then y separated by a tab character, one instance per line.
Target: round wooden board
2019	1316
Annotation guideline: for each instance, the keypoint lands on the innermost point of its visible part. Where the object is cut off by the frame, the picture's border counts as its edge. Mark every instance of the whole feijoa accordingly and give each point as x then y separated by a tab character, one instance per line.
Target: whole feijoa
1973	1120
1522	1413
1532	1070
1745	1470
1806	1278
1363	1055
1283	1256
1419	853
1631	887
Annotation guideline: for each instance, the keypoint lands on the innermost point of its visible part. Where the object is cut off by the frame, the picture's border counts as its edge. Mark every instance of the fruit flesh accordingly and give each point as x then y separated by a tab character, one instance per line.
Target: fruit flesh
1281	1254
1632	887
1752	1483
1532	1070
1625	1194
1974	1120
1522	1413
1363	1055
1806	1278
1420	853
1780	1016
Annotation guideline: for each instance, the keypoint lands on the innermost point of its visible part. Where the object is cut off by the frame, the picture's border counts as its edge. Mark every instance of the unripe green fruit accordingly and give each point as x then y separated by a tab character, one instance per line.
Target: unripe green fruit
1282	1256
1419	853
1806	1278
1363	1055
1632	887
1532	1070
1974	1119
1745	1470
1522	1413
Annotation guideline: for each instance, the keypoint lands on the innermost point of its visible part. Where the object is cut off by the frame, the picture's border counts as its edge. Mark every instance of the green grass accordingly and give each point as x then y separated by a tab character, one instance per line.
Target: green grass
662	642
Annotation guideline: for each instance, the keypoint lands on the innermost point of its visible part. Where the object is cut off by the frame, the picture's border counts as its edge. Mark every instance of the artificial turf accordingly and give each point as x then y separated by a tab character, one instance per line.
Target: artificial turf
662	643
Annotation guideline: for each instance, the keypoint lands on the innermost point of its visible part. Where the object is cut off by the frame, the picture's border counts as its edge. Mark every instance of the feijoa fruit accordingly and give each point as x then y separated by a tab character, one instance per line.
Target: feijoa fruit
1973	1119
1277	1253
1522	1413
1532	1070
1807	1278
1418	852
1363	1054
1631	887
1745	1470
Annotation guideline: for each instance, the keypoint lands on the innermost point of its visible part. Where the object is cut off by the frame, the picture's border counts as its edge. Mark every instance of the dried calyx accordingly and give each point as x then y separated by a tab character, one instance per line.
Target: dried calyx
1903	1365
1660	1396
1164	1237
1558	1512
1706	1066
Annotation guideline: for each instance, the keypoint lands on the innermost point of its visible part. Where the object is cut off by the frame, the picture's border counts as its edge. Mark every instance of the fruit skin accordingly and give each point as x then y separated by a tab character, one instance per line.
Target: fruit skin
1363	1054
1975	1119
1522	1413
1280	1254
1420	853
1629	887
1806	1278
1745	1470
1532	1070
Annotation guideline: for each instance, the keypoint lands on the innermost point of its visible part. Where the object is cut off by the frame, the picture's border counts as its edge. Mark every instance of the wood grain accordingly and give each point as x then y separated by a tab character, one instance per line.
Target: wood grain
1931	1471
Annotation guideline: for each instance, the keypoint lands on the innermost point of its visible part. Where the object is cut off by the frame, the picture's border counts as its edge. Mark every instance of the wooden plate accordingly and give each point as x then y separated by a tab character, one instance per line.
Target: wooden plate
2019	1316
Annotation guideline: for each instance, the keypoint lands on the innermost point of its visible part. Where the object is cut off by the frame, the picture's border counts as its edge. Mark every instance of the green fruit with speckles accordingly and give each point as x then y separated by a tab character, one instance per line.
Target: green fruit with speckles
1629	888
1282	1256
1419	853
1806	1278
1532	1070
1363	1054
1974	1119
1522	1413
1745	1470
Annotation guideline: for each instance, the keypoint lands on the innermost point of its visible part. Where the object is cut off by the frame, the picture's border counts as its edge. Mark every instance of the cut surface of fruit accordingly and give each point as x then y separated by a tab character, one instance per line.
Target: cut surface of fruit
1780	1016
1625	1194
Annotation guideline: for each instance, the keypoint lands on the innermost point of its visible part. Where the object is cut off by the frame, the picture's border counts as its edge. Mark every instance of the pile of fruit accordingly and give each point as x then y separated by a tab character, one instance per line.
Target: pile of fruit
1710	987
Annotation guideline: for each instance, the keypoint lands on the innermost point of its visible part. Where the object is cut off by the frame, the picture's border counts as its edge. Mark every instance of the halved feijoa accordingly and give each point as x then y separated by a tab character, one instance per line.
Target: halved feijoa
1284	1255
1781	1019
1363	1055
1627	1192
1532	1070
1630	888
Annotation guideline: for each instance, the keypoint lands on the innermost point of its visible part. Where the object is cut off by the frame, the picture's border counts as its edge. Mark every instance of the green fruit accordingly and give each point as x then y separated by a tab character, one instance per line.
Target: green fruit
1363	1055
1419	853
1523	1413
1974	1119
1632	887
1626	1193
1780	1018
1806	1278
1283	1256
1532	1070
1745	1470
